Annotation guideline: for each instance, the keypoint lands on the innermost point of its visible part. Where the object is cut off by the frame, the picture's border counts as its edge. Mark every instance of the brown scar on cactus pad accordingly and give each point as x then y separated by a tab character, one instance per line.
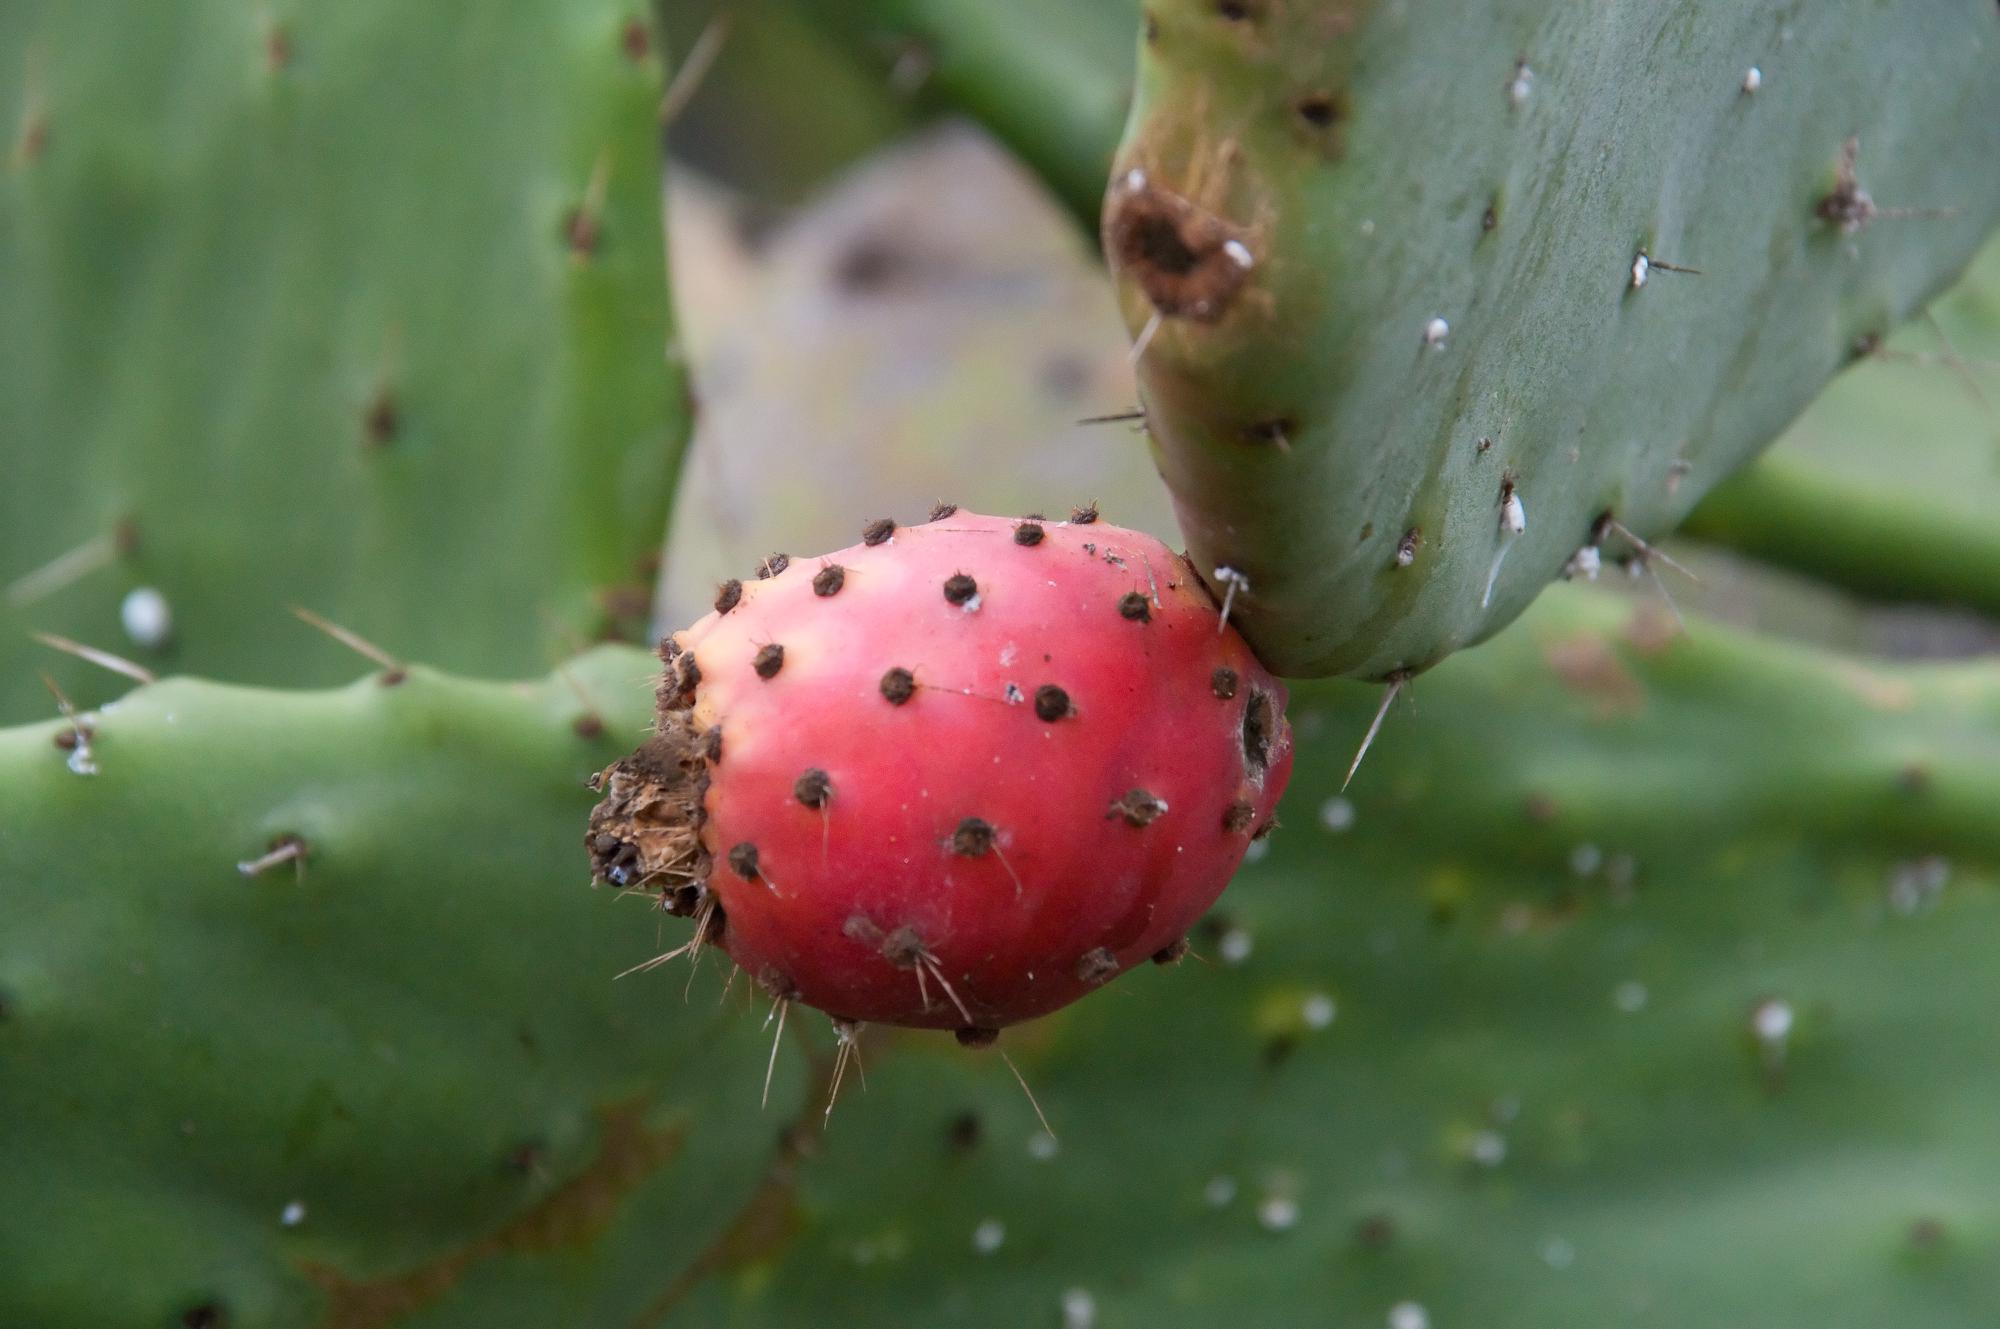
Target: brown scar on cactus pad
1190	262
990	862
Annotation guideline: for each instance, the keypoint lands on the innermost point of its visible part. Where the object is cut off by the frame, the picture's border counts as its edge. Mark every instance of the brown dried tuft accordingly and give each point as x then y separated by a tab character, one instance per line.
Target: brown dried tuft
1052	703
728	596
646	827
829	579
898	685
1133	605
1223	682
877	532
743	861
1137	807
381	421
676	691
772	566
1260	724
959	589
1028	533
769	660
939	511
973	838
1236	818
1098	966
814	788
903	948
1321	110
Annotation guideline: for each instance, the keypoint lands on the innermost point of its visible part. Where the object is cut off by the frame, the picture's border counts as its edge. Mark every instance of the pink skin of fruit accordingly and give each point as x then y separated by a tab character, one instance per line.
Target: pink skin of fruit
985	849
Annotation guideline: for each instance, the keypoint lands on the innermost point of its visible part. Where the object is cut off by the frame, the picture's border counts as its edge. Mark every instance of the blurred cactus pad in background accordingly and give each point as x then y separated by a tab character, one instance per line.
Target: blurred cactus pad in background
350	467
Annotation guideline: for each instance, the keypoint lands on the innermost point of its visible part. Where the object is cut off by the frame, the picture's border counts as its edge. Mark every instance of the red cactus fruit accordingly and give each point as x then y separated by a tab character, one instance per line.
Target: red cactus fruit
956	776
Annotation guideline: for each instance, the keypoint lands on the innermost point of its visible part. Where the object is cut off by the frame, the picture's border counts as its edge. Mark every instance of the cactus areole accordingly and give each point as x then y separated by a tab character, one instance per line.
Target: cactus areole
955	776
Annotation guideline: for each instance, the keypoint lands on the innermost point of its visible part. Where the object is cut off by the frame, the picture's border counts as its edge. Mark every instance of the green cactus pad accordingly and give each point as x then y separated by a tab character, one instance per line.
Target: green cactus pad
1387	274
394	1083
1644	980
342	305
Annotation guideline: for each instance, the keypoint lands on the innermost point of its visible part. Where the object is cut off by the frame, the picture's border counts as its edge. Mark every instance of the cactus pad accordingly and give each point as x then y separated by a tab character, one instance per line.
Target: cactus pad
1649	978
1412	326
335	305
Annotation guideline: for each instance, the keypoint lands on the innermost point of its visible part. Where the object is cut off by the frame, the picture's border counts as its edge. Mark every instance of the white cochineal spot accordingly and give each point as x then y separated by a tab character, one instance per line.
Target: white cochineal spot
1278	1213
146	617
1436	331
1235	946
1771	1022
1513	521
1409	1315
1753	79
1079	1309
1318	1010
293	1214
1916	886
1584	564
1521	85
987	1237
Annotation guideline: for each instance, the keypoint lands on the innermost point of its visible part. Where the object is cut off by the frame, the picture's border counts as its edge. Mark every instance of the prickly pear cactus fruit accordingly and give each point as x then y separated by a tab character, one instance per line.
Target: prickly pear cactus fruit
297	1017
1650	982
331	304
955	776
1423	309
